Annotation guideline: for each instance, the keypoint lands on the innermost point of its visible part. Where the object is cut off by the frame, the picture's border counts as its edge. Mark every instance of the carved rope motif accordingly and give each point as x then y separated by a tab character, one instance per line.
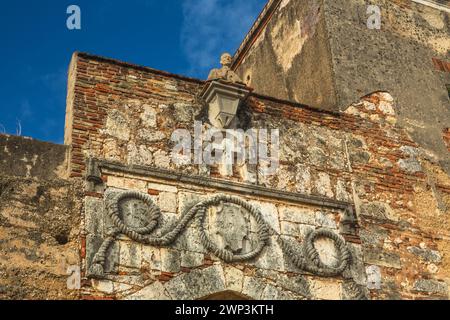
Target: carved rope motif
305	257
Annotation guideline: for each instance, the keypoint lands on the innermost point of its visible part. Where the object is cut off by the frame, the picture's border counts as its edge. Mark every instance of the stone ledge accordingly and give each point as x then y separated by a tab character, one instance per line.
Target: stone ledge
241	188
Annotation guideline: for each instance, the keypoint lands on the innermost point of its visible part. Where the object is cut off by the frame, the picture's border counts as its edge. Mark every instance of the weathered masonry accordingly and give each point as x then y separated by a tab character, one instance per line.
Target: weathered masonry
358	208
321	53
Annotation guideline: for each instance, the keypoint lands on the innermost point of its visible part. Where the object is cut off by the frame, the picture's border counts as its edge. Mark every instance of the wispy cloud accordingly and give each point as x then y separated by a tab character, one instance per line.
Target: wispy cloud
211	27
26	111
55	81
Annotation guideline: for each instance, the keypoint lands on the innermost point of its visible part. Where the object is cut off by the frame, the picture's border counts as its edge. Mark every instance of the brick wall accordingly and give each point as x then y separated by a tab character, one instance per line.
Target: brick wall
99	85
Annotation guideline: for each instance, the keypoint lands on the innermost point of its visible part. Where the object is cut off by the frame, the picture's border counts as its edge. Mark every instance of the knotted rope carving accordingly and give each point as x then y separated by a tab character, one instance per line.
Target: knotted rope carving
198	211
224	254
308	259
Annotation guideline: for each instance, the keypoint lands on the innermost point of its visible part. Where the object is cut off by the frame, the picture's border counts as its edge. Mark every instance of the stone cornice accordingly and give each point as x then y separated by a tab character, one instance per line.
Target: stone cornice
95	168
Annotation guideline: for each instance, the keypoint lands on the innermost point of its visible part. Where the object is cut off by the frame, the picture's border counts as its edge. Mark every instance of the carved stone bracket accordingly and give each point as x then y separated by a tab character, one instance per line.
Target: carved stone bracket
93	174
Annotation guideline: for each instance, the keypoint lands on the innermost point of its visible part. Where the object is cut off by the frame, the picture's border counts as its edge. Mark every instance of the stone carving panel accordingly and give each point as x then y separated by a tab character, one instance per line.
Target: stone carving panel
229	227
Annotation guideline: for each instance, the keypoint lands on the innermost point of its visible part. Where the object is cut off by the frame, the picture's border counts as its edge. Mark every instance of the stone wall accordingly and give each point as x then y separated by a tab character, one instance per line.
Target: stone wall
27	158
321	53
39	220
291	58
380	198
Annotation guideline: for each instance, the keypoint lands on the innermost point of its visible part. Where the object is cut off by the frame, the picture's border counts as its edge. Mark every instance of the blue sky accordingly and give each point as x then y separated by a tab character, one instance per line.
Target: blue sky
179	36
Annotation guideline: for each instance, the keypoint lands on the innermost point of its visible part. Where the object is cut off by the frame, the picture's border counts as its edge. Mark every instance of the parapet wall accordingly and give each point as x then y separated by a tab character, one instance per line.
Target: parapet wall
28	158
39	220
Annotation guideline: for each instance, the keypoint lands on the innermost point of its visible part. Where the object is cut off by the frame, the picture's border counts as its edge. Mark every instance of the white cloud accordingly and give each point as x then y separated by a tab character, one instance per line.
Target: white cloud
56	81
211	27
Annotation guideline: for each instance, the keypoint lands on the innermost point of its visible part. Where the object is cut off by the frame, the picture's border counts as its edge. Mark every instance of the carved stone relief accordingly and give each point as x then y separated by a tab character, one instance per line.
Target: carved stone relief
232	225
229	227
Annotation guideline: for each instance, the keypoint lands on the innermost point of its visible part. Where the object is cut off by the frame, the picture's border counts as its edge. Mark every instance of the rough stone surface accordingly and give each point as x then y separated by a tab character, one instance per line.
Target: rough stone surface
197	284
130	255
155	291
151	257
192	259
24	157
233	279
168	201
431	286
253	287
293	214
40	216
170	260
283	58
381	258
325	290
426	254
